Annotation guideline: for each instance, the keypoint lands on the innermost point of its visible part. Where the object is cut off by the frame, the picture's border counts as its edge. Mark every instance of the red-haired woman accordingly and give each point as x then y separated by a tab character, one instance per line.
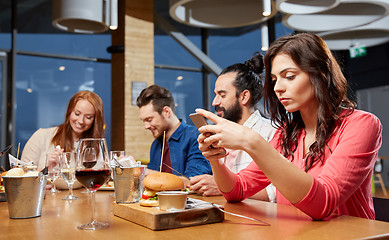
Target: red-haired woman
84	119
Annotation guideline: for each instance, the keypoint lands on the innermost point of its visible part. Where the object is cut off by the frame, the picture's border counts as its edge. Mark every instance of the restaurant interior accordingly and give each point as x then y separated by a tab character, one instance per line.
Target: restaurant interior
50	49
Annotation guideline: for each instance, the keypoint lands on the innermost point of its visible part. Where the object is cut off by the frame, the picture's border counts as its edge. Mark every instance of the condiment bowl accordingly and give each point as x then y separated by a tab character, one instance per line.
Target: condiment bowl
172	200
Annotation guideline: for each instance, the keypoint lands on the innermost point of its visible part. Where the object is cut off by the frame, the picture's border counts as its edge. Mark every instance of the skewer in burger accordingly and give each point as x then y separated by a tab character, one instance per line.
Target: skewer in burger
158	182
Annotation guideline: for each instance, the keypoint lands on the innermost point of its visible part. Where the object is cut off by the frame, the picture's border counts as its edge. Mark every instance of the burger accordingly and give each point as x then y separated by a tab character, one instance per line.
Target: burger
2	189
158	182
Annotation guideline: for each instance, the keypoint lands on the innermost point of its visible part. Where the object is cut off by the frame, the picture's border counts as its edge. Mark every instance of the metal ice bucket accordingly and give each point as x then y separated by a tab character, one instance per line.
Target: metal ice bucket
128	183
25	195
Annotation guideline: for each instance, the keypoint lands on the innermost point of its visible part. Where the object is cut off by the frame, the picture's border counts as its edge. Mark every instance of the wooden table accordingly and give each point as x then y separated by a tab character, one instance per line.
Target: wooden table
60	218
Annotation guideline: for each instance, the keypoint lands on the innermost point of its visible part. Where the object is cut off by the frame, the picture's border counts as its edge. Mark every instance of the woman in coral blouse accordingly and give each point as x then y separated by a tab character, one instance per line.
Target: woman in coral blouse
322	156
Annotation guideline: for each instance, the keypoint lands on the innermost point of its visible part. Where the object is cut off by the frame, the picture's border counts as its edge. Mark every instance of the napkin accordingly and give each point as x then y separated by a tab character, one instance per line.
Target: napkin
13	161
127	161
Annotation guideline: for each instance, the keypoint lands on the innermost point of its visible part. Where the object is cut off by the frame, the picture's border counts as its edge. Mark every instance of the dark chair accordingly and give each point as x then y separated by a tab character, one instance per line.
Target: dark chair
381	207
377	173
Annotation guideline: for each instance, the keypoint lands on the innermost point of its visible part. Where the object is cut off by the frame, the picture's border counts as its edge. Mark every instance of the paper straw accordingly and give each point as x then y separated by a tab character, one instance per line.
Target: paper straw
163	150
17	154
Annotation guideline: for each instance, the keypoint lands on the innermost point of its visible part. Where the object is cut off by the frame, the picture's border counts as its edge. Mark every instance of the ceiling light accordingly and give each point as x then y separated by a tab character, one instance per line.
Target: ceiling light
85	16
347	14
264	37
220	13
113	25
305	7
369	35
266	8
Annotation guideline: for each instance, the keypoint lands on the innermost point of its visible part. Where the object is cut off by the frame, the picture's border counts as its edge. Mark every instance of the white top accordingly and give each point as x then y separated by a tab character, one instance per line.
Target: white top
39	145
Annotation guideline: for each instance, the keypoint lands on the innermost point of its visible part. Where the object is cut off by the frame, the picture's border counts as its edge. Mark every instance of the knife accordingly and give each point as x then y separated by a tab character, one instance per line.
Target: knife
175	171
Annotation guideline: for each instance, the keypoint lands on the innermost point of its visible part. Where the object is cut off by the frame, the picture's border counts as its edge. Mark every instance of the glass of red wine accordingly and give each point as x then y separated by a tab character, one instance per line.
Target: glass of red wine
92	171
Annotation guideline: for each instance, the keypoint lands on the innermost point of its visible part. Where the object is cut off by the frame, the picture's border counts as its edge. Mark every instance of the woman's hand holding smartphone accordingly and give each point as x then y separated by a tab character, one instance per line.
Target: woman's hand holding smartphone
200	121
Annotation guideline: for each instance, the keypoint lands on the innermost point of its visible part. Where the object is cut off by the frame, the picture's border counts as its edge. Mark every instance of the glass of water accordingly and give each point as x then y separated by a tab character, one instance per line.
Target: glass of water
67	162
53	171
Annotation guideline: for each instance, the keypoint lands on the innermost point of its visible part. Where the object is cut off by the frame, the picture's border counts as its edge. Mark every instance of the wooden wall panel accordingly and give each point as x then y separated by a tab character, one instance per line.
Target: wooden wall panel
137	64
117	84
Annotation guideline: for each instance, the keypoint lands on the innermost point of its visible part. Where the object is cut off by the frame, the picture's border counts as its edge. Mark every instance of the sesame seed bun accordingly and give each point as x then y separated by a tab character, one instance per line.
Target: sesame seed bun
162	181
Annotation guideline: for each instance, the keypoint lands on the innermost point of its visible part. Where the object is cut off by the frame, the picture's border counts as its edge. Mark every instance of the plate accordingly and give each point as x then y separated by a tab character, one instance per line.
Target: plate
189	191
107	187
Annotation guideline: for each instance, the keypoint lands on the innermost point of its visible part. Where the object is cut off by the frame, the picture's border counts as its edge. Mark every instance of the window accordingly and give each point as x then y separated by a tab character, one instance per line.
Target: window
44	85
186	88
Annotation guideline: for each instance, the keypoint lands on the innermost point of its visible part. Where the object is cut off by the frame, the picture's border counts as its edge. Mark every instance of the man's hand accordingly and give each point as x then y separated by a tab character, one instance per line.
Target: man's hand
185	180
204	185
149	171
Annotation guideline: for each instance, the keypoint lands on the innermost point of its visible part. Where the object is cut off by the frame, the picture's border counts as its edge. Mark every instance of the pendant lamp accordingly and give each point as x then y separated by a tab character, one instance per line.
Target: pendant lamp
85	16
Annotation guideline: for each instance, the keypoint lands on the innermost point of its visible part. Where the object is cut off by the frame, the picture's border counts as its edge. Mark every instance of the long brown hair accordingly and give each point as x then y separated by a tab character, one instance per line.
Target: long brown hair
63	136
312	55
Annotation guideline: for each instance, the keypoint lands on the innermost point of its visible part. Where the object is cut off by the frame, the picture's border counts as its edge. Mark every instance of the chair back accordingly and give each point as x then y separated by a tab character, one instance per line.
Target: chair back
381	208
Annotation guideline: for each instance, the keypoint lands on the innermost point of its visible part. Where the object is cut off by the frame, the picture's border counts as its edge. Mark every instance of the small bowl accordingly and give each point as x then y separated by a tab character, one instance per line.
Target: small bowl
172	200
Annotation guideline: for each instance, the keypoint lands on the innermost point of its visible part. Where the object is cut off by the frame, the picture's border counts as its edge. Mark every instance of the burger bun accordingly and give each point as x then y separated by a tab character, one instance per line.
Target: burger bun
162	181
148	203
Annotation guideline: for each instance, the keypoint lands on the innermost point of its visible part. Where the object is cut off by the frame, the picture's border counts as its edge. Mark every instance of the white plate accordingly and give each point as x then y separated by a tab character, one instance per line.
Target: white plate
190	192
105	187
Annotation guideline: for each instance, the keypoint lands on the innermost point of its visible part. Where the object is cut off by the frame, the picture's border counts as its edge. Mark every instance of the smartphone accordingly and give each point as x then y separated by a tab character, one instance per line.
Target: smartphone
198	120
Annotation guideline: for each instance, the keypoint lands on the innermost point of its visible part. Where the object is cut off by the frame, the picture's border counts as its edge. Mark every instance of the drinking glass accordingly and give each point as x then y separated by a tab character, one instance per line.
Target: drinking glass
67	163
53	173
90	153
114	157
92	171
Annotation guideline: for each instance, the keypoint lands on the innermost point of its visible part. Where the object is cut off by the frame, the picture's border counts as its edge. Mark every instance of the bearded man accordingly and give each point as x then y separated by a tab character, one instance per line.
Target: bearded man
238	89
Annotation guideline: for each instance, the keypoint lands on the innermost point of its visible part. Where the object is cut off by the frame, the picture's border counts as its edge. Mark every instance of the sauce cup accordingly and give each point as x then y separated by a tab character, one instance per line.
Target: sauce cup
172	200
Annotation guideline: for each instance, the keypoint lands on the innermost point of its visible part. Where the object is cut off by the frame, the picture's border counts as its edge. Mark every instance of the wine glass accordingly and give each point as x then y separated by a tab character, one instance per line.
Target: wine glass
91	159
67	163
53	172
92	171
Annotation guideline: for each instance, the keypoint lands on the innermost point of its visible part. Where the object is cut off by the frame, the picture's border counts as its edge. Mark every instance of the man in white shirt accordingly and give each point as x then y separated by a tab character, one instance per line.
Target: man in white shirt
238	89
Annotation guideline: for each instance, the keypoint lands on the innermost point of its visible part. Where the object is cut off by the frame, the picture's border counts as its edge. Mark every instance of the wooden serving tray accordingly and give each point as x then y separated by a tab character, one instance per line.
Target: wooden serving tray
2	197
155	219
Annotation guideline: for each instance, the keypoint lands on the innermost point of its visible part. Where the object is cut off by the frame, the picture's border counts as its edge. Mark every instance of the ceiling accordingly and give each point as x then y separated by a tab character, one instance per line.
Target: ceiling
34	16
